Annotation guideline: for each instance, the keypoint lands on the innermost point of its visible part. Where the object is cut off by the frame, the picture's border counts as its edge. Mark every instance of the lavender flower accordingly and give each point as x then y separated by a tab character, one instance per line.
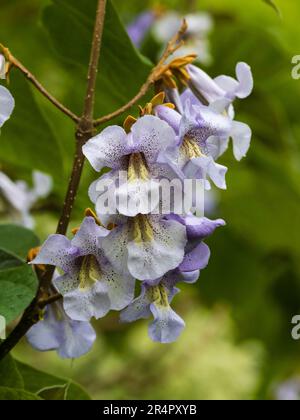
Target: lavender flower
56	331
155	300
146	246
137	154
138	29
7	102
90	286
222	87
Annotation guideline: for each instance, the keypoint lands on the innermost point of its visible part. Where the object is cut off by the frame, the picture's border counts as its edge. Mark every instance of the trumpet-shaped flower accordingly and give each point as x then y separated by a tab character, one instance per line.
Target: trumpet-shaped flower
90	285
146	246
154	300
56	331
137	155
222	87
197	130
21	198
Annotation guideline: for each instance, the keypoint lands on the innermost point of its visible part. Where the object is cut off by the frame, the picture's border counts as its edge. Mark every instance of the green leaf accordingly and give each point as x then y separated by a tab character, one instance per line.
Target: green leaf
57	392
29	133
273	5
9	394
18	287
18	282
17	240
35	381
122	68
9	374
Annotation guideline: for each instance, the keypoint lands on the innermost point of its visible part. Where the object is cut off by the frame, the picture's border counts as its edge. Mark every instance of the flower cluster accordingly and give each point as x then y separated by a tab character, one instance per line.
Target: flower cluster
141	245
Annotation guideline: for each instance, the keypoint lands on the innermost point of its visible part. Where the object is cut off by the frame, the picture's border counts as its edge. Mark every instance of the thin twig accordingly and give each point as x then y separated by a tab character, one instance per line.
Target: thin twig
155	74
84	132
51	299
14	62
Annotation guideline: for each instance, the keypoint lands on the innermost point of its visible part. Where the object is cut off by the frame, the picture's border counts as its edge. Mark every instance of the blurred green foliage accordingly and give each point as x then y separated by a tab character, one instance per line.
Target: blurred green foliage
238	341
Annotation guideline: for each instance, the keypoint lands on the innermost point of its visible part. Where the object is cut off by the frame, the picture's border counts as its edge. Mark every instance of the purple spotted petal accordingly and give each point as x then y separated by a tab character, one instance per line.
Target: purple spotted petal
138	309
151	136
59	252
107	149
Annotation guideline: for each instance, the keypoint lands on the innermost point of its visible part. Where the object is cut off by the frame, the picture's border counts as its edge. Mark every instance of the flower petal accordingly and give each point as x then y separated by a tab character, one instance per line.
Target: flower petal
120	287
196	259
170	116
167	325
42	184
107	148
59	252
201	227
241	138
82	305
45	335
137	197
151	259
240	88
151	135
115	248
86	239
204	84
78	339
7	104
205	165
138	309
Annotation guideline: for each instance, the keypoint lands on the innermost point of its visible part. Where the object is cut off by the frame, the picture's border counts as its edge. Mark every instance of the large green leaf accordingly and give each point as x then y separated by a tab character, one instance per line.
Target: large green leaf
18	282
17	240
17	289
57	392
122	68
11	394
273	5
27	139
36	381
9	374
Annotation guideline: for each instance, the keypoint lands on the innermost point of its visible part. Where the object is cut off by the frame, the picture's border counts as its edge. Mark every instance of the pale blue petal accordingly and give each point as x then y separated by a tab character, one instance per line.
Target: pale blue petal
77	339
59	252
167	325
241	138
151	136
82	305
138	309
196	259
153	258
7	104
86	239
107	148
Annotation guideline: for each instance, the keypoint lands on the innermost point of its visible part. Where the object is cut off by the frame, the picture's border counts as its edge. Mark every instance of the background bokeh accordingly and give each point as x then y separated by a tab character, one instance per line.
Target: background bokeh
237	343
